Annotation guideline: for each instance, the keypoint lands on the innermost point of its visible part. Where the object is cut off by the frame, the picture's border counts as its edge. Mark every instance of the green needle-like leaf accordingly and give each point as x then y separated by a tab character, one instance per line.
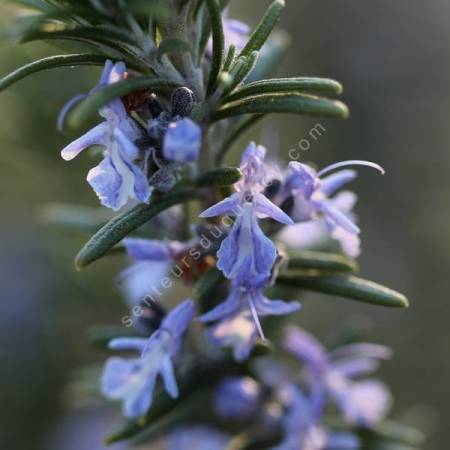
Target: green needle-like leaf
244	71
283	103
264	28
230	58
104	35
224	176
119	227
218	43
87	109
79	59
321	261
349	287
287	85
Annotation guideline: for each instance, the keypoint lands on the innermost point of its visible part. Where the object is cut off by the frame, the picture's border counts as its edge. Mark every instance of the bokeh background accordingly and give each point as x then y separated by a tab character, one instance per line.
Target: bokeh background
393	59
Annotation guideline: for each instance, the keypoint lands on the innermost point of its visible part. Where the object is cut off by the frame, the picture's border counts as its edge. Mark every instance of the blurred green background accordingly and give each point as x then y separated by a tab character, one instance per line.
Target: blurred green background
392	58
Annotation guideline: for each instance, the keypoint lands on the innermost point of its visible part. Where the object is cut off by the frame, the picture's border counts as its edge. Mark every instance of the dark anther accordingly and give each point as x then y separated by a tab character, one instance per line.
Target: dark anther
182	102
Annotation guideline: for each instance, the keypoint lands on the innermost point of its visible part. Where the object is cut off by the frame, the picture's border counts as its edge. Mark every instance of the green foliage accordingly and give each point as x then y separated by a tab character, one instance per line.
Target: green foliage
163	44
124	224
348	287
224	176
283	103
51	62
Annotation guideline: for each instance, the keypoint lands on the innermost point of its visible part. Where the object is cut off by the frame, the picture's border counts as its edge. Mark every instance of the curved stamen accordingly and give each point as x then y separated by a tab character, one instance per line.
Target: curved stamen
353	162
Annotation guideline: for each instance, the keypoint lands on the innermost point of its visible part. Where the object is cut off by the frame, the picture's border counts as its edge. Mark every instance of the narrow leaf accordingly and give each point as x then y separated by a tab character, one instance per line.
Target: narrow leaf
288	85
283	103
106	35
51	62
224	176
244	71
321	261
86	109
119	227
349	287
264	28
230	58
218	42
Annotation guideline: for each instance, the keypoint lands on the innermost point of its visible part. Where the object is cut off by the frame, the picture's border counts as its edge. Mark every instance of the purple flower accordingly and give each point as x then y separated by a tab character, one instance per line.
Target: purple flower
312	199
302	428
122	173
197	438
332	375
234	313
237	398
133	380
311	234
246	254
152	262
182	141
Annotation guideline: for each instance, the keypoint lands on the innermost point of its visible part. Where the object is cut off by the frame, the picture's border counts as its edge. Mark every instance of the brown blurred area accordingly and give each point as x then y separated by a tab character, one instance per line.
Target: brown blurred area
393	60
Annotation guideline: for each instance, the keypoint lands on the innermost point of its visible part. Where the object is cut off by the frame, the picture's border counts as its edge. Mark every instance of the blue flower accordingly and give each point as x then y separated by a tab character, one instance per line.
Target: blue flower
312	199
199	437
246	254
332	375
133	380
314	233
237	398
182	141
122	173
302	428
244	300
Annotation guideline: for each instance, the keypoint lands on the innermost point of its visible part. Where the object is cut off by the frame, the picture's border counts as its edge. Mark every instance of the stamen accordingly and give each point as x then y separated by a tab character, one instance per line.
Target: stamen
353	162
255	317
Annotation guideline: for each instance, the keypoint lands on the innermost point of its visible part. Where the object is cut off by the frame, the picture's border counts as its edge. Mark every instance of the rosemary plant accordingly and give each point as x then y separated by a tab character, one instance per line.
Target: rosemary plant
223	368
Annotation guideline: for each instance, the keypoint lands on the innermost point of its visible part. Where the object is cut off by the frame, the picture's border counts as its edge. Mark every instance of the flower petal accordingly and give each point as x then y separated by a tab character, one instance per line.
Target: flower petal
266	208
168	376
182	141
178	320
334	182
229	205
225	309
96	136
365	403
305	347
137	344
